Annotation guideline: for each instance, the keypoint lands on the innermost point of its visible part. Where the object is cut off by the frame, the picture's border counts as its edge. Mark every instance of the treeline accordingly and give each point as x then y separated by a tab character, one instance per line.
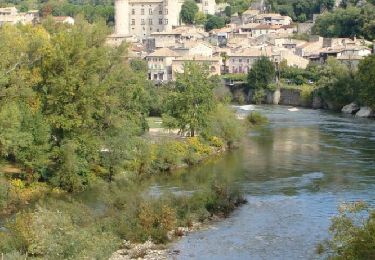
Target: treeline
72	109
337	83
190	13
300	10
348	21
92	10
73	124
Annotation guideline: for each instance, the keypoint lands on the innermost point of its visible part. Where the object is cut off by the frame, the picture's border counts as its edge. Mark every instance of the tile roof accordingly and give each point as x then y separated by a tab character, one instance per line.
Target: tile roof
163	52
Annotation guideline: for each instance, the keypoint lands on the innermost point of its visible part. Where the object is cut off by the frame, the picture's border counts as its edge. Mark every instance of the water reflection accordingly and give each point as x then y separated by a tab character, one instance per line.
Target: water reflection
295	172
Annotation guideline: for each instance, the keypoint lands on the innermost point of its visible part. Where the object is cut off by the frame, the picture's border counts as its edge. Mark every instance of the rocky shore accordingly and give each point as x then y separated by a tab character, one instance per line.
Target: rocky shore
152	251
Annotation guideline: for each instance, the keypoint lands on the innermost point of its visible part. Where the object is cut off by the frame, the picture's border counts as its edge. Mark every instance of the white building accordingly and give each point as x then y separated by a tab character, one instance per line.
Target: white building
64	19
141	18
273	19
207	6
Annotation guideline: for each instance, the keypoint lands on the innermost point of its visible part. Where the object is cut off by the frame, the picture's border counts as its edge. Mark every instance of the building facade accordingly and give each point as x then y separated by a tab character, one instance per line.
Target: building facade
141	18
10	15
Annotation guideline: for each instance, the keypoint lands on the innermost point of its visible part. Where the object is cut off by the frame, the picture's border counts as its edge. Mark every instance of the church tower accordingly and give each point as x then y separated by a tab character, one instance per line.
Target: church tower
122	17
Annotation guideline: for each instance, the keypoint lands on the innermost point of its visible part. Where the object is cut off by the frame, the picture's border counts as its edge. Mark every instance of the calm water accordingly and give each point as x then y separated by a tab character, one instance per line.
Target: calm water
294	174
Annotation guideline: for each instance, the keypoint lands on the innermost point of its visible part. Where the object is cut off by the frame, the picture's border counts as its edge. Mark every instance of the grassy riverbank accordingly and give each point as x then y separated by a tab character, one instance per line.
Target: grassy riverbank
93	224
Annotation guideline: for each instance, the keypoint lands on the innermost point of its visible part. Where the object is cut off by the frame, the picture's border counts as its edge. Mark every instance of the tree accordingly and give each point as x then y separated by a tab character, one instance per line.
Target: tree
338	84
214	22
261	74
193	99
189	9
353	232
366	74
64	97
350	22
200	18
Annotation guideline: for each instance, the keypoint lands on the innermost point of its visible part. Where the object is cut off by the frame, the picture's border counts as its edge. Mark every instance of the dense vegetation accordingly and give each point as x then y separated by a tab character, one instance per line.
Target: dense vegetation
300	10
73	118
261	78
91	10
190	14
351	21
337	83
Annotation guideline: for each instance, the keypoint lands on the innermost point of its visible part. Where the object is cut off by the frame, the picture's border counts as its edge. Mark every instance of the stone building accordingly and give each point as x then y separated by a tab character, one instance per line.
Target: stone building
141	18
207	6
10	15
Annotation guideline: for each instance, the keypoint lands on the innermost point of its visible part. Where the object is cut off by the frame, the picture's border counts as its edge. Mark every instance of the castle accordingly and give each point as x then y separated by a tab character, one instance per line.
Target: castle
140	18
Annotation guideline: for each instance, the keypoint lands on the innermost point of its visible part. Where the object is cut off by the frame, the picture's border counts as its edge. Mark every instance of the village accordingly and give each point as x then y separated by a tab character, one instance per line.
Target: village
154	32
228	50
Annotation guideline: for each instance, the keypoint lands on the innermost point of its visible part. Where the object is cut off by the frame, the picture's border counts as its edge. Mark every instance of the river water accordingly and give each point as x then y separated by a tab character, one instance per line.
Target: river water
295	173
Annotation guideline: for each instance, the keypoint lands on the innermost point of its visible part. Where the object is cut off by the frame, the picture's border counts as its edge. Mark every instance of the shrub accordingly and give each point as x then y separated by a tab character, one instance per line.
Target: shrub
353	232
223	124
256	119
259	96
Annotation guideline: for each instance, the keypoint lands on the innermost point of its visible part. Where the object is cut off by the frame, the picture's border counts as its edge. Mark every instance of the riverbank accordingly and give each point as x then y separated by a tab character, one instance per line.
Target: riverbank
309	96
120	209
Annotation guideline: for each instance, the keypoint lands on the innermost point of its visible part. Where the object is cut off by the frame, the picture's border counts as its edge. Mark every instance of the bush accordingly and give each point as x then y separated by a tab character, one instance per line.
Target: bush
353	233
223	124
259	96
256	119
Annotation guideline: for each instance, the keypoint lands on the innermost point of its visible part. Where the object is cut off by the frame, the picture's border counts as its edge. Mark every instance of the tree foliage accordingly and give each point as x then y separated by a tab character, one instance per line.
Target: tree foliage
300	10
353	232
193	99
63	95
350	22
366	74
261	74
214	22
189	9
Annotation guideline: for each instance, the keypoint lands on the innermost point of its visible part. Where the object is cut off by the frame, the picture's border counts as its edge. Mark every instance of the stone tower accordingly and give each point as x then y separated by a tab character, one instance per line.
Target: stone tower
122	17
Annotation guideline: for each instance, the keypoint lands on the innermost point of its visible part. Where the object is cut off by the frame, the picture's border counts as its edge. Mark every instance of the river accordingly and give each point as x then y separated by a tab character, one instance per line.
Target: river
295	173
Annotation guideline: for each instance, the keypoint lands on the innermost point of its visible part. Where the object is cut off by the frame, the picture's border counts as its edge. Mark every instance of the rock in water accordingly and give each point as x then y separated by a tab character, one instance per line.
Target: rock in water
352	108
365	112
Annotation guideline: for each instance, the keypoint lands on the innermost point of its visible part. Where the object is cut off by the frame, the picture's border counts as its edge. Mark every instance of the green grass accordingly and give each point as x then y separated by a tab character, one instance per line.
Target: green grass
155	122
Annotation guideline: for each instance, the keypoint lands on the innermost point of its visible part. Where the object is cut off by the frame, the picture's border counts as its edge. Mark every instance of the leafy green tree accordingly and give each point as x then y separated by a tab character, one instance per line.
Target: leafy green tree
366	74
193	98
339	84
214	22
189	9
223	123
261	74
353	232
200	18
341	23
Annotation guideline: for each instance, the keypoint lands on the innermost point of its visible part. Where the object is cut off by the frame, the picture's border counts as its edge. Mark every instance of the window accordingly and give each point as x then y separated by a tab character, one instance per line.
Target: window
143	21
240	60
166	11
150	21
133	11
142	11
166	21
133	21
206	3
160	9
150	11
160	21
